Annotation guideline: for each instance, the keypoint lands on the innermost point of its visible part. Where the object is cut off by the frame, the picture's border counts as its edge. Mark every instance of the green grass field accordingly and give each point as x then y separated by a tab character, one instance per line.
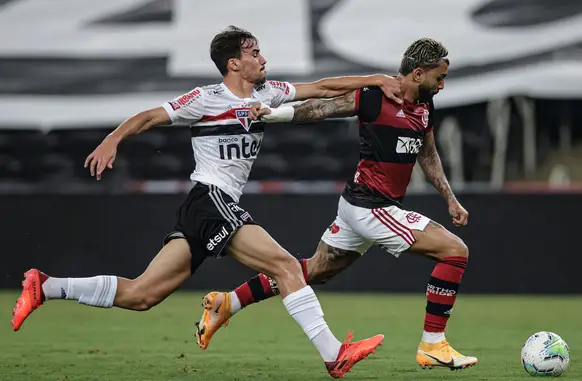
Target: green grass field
67	341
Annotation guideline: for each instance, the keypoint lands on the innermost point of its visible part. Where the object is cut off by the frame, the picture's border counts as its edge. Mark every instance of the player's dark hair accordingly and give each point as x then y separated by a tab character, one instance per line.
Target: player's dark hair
424	53
227	45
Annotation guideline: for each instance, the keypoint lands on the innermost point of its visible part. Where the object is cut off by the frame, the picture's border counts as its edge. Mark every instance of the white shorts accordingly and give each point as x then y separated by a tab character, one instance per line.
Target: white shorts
357	229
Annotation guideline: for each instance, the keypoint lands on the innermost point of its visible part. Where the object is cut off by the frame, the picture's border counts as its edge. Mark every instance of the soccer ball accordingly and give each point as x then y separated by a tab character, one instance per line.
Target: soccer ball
545	354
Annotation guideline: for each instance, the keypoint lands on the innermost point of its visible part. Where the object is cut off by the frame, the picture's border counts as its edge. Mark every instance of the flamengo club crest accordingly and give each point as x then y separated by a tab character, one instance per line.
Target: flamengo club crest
242	114
425	118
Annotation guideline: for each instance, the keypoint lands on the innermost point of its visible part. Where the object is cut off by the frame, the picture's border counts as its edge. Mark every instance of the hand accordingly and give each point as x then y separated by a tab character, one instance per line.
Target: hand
102	157
459	214
256	112
391	87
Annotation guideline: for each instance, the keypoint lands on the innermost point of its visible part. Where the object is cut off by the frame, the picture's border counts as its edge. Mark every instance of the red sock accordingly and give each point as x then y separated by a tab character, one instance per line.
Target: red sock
261	287
441	292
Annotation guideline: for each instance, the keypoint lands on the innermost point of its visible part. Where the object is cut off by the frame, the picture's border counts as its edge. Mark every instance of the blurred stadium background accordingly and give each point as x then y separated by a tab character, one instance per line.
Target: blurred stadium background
508	130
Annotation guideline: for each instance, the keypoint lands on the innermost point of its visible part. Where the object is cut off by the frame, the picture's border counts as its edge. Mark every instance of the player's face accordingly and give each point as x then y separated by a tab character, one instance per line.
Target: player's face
434	81
252	64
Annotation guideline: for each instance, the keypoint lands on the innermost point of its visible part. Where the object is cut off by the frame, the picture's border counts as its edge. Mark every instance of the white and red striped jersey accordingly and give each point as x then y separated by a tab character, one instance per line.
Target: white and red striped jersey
225	142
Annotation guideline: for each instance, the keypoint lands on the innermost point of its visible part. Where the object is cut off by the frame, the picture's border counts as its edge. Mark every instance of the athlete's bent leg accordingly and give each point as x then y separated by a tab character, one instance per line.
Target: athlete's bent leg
254	247
326	263
167	271
451	255
164	275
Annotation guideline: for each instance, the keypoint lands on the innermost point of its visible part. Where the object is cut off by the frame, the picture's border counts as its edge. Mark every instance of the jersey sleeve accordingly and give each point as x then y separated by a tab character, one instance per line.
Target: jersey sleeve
368	103
281	92
187	108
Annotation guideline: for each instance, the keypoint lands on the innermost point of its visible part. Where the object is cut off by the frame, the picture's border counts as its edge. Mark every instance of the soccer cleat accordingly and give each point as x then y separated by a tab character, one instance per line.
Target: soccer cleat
217	311
352	353
443	355
31	298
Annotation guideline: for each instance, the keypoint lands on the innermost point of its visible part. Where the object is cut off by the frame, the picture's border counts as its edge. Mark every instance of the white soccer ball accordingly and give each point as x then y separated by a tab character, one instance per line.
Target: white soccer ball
545	354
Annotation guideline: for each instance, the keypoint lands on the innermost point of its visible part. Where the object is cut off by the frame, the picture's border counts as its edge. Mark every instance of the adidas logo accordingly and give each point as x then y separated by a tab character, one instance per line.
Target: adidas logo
400	114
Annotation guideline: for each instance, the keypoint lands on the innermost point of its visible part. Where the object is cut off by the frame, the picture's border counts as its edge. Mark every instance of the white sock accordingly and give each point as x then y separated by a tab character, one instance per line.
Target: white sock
433	337
235	303
98	291
304	306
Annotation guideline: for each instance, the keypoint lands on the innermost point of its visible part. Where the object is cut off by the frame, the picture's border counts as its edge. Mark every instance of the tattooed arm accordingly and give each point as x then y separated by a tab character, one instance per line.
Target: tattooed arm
430	162
310	110
431	165
316	109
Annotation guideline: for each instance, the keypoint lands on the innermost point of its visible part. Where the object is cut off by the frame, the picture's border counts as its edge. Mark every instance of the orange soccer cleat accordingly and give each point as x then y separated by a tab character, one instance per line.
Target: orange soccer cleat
31	298
217	311
352	353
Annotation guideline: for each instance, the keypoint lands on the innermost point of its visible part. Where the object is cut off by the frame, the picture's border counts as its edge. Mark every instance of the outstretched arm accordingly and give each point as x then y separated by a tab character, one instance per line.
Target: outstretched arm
310	110
104	155
317	109
336	86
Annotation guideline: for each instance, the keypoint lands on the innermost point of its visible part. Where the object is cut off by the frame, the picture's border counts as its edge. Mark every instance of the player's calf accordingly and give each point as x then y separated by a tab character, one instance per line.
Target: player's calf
452	255
327	262
168	270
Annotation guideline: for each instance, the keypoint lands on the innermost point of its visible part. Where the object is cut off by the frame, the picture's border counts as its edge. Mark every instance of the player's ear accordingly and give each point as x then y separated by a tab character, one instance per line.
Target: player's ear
418	75
234	64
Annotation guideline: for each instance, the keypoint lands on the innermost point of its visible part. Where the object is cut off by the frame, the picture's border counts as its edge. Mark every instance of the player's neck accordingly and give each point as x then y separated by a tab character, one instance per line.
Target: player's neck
409	92
238	86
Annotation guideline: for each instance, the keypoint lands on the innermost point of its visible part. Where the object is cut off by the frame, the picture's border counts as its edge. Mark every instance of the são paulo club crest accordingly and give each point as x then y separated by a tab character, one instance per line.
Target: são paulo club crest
242	114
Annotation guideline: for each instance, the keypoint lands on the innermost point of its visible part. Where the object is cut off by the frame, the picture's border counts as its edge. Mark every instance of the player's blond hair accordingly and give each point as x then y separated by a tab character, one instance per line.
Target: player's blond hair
423	53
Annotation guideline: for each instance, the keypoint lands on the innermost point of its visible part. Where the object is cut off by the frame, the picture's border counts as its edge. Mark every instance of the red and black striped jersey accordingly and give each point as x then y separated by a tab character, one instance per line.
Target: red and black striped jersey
391	136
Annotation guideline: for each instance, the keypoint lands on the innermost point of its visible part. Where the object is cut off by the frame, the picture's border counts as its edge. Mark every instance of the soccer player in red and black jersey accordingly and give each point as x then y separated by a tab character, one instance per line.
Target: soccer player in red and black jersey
393	137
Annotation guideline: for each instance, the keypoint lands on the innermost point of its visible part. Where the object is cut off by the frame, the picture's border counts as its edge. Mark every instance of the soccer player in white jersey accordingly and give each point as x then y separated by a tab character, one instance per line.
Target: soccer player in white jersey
210	222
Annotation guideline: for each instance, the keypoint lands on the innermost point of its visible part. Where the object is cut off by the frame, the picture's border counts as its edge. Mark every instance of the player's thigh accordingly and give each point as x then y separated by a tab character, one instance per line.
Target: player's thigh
437	242
169	269
391	228
254	247
342	234
329	261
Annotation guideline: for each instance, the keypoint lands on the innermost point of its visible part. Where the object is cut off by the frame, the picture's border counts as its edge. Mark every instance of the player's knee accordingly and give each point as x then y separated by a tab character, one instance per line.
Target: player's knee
458	248
285	265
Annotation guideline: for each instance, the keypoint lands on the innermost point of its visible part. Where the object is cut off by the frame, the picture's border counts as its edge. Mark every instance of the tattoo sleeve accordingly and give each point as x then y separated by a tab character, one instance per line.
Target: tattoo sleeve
316	109
430	162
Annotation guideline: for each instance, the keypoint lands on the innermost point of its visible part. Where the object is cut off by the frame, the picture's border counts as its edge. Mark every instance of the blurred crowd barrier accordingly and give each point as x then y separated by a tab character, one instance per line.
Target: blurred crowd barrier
71	71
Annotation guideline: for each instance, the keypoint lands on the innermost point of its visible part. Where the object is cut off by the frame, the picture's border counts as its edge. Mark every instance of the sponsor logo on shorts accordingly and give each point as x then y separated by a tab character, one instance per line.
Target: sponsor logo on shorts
333	228
217	239
413	218
431	289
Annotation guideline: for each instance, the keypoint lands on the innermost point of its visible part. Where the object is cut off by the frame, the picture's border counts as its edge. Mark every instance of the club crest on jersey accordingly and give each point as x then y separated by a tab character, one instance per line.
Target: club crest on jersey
242	114
425	118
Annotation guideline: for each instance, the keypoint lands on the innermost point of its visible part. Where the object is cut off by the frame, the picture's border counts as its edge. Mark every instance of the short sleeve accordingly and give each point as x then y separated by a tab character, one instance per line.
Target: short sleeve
187	108
369	103
280	92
